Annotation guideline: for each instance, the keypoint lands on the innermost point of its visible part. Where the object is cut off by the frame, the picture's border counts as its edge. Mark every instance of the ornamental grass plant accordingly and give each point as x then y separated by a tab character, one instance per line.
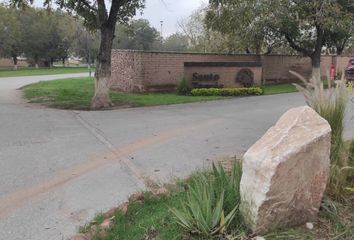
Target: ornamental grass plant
331	104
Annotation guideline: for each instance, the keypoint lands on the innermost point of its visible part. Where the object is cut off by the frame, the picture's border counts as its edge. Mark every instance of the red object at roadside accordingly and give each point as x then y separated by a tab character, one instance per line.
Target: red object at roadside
332	71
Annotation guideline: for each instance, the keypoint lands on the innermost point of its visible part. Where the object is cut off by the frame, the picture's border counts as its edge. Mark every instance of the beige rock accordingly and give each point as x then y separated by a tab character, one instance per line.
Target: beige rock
111	212
123	208
159	191
286	171
80	237
309	225
106	224
137	197
259	238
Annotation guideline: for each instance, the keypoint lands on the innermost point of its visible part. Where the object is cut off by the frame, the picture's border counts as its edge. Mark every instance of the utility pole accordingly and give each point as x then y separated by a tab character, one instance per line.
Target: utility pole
161	22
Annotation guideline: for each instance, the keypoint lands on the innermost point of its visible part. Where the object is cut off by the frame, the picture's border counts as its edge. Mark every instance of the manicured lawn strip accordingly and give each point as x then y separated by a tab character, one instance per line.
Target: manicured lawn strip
76	93
279	88
40	71
284	88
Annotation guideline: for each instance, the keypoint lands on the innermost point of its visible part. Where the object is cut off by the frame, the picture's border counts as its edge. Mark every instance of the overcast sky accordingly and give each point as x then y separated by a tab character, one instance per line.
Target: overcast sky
168	11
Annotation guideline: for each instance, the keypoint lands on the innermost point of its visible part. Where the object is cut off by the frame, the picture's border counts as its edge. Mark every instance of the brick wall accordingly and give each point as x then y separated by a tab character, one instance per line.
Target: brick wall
127	71
276	68
144	71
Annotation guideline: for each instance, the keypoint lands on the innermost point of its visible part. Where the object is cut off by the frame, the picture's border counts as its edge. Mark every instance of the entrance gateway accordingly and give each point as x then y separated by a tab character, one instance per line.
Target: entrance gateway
142	71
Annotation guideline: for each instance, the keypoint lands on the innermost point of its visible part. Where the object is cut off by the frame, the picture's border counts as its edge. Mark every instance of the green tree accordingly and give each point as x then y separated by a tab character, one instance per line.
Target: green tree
195	30
86	43
137	34
36	35
307	26
340	36
103	16
11	37
207	32
176	42
61	35
243	22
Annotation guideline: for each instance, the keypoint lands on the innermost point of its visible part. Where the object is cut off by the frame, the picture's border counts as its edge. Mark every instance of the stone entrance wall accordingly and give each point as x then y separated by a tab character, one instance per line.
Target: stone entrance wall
140	71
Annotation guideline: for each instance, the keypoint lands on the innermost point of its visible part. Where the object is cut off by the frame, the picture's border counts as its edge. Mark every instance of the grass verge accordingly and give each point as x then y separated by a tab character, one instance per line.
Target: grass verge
279	88
150	218
40	71
77	93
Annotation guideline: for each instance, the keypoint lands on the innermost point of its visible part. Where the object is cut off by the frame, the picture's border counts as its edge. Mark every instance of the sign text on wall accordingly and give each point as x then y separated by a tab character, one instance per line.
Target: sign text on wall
206	80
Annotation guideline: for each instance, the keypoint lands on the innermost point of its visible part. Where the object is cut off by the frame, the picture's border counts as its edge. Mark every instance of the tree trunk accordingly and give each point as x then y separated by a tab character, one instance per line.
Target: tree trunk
316	67
36	61
101	98
14	58
316	56
63	61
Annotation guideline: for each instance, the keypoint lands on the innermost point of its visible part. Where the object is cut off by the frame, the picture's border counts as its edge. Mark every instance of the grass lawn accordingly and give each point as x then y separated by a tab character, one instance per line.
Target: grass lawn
40	71
279	88
284	88
77	93
151	219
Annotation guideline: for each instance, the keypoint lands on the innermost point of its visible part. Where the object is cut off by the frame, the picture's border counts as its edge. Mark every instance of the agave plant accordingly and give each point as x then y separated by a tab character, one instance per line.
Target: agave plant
212	202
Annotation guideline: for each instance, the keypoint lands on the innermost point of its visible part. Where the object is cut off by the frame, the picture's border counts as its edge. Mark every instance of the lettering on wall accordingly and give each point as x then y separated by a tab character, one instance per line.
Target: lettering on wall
206	80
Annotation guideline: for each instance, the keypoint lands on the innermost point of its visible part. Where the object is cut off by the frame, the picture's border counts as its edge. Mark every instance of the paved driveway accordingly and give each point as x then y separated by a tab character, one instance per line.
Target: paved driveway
58	168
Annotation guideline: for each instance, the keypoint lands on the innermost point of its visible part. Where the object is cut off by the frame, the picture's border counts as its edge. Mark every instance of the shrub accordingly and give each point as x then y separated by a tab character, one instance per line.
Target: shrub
226	91
331	105
183	88
212	202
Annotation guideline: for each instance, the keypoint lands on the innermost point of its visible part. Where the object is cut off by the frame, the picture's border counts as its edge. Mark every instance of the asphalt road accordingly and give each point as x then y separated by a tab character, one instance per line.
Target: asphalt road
59	168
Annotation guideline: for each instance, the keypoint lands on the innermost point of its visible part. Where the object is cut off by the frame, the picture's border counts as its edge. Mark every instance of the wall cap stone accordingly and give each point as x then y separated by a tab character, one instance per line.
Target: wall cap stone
223	64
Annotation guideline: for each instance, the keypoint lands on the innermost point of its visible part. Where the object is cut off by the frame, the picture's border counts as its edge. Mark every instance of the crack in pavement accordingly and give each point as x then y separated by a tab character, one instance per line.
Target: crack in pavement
98	133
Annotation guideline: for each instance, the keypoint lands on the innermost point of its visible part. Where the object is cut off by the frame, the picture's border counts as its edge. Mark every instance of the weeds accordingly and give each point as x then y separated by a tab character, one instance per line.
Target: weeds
183	88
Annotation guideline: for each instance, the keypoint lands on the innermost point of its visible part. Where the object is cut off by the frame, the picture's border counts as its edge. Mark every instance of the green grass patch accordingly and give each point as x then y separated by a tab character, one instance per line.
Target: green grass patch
152	218
76	94
41	71
278	88
284	88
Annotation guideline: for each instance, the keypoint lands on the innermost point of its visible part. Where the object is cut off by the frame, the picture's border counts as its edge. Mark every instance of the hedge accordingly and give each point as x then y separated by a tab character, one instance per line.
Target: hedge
226	91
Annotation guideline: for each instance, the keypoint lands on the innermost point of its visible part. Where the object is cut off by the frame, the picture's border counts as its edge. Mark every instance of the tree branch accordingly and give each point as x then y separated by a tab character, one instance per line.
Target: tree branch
87	5
113	13
291	42
102	12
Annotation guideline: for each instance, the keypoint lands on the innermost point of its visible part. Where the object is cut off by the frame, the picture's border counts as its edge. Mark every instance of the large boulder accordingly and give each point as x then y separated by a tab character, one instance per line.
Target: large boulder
285	172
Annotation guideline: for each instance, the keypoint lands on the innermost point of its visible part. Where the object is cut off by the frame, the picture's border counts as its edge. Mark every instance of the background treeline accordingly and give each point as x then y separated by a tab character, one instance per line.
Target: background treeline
44	37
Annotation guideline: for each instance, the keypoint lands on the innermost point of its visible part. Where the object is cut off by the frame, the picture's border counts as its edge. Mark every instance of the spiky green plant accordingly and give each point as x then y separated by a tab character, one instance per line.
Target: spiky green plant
183	88
212	202
331	104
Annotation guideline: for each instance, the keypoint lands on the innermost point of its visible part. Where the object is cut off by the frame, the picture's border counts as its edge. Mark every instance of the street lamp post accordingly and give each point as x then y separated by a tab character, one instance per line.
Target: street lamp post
161	22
